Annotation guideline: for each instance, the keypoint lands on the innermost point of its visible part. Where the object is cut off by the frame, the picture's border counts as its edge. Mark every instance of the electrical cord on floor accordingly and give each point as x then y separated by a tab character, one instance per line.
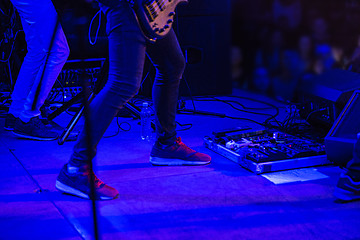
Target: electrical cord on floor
208	98
290	123
120	128
186	126
231	102
246	119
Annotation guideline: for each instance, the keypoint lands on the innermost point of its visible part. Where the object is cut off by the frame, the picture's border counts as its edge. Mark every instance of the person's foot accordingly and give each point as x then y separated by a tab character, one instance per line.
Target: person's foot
76	181
347	189
50	124
10	122
34	129
177	154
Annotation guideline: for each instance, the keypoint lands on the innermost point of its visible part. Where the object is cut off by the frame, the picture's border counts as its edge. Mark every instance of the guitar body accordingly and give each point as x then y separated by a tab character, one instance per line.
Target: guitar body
156	16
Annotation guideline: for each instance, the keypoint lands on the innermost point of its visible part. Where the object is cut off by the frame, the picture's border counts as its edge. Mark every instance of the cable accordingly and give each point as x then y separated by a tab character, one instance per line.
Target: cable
12	48
147	74
187	126
200	98
229	102
246	119
120	128
97	31
191	96
6	15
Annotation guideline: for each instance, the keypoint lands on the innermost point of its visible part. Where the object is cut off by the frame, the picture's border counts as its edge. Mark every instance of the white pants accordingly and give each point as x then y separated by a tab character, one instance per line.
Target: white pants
47	53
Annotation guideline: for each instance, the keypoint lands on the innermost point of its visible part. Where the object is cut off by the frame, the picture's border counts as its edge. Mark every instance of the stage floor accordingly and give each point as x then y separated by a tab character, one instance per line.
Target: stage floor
218	201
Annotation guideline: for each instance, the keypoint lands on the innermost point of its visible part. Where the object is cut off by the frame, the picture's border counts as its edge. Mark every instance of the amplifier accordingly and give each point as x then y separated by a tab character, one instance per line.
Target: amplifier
69	82
342	136
324	97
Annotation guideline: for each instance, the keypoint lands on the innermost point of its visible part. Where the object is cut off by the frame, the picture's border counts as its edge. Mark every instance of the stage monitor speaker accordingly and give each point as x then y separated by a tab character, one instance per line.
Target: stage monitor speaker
205	41
324	97
340	140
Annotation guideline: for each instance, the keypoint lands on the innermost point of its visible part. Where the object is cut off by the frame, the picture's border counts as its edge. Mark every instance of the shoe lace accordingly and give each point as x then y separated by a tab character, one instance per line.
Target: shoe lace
97	182
180	143
38	123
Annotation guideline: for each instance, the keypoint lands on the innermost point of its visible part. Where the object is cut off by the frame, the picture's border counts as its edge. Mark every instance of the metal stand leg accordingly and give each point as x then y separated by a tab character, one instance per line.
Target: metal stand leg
133	109
72	123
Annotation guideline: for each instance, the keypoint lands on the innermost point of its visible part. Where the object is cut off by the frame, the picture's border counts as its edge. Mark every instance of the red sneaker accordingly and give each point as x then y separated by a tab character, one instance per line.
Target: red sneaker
177	154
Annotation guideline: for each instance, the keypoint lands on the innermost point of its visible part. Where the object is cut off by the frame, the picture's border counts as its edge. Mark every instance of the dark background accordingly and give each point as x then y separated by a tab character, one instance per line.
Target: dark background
271	39
256	45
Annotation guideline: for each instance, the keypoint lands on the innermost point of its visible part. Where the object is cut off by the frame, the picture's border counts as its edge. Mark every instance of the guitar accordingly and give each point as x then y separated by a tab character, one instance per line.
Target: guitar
155	17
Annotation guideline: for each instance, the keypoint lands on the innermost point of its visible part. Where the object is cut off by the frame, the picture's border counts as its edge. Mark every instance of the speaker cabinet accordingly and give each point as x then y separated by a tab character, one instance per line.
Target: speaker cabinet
341	138
203	30
205	41
324	97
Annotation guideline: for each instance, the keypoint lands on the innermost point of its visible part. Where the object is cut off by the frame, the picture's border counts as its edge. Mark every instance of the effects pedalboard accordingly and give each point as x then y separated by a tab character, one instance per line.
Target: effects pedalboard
262	151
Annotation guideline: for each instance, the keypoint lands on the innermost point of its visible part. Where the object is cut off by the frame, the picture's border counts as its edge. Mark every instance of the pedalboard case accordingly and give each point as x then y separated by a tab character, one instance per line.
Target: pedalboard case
262	150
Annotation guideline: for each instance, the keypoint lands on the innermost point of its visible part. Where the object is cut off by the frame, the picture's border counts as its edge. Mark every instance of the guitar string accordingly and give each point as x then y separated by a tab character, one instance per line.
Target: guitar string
154	7
162	4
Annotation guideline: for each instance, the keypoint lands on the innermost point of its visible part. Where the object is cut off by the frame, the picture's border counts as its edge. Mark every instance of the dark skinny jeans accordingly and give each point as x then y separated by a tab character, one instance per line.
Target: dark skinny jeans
127	49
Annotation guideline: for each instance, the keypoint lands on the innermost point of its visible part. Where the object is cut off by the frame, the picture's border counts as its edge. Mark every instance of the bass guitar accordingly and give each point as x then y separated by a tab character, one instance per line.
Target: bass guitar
155	17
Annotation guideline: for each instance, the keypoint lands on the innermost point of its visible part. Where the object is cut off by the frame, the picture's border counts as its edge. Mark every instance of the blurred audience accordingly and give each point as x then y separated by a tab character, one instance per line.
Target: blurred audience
287	13
236	65
338	55
268	60
294	45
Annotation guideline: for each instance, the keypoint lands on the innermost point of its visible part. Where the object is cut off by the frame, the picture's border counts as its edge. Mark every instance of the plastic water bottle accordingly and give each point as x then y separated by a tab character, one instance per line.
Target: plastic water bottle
145	116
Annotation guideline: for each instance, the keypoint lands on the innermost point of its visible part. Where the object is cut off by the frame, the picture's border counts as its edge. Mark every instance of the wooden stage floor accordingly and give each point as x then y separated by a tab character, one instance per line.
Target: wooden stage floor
218	201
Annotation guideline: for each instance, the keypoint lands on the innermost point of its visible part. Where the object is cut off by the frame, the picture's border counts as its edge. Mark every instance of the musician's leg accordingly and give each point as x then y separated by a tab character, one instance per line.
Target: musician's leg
39	29
46	77
169	61
126	61
348	186
47	53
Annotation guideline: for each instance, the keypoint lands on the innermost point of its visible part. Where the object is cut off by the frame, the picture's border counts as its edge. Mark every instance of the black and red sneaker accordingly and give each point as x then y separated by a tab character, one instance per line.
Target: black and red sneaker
76	181
10	122
34	129
177	154
347	189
